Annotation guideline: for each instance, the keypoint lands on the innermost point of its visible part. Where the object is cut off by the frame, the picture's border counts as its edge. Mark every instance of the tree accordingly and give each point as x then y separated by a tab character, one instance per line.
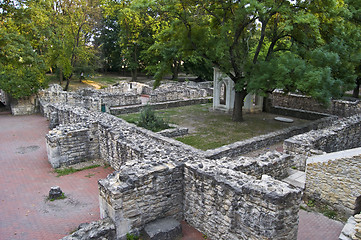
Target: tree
354	18
137	24
22	70
73	25
263	45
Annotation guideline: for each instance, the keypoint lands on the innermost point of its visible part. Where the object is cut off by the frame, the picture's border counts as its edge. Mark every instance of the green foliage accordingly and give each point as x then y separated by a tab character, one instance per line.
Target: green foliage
58	198
67	171
298	46
329	213
310	203
22	70
149	120
132	237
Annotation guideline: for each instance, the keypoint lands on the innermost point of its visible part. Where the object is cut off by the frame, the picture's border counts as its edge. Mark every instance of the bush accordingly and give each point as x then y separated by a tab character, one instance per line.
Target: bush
149	120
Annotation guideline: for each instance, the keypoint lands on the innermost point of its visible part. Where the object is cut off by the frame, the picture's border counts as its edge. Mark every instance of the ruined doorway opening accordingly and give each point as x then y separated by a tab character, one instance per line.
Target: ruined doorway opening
223	94
358	205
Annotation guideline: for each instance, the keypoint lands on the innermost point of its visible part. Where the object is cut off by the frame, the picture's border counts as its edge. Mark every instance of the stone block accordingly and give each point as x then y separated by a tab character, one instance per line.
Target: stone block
163	229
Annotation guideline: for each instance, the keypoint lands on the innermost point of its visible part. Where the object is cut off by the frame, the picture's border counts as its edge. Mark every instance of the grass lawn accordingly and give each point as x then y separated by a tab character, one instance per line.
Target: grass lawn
209	130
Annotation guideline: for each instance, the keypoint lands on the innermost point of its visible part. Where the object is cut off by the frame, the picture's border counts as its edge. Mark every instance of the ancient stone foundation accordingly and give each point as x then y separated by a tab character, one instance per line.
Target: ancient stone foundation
334	179
341	135
340	108
158	177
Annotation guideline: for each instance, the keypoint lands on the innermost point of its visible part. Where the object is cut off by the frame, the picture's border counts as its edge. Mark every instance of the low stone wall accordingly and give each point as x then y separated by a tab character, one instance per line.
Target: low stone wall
135	196
340	108
4	97
298	113
158	177
227	204
274	164
343	134
72	144
334	179
171	104
173	132
94	100
24	106
118	141
241	147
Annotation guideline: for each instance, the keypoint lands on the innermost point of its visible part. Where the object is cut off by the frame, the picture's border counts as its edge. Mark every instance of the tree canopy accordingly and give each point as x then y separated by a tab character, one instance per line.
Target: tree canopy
310	47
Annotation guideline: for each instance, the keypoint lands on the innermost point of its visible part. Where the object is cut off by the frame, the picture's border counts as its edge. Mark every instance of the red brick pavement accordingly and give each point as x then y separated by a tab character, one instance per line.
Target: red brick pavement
26	177
315	226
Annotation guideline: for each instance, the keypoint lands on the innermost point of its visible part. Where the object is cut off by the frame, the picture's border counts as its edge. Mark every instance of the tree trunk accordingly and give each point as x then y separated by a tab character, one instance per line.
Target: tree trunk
67	83
61	76
267	103
356	90
238	105
134	75
175	70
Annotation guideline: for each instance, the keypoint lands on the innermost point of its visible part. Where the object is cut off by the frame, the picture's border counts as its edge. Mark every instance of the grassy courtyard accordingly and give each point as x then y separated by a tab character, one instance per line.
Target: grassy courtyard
208	129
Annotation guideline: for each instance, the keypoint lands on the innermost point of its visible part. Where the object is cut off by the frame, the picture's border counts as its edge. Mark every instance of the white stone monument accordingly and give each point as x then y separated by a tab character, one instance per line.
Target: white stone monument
223	95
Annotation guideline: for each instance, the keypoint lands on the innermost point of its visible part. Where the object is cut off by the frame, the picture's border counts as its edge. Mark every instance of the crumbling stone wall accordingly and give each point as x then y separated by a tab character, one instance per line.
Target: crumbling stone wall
24	106
72	144
162	105
343	134
158	177
335	180
248	145
141	193
227	204
124	94
274	164
340	108
177	91
4	97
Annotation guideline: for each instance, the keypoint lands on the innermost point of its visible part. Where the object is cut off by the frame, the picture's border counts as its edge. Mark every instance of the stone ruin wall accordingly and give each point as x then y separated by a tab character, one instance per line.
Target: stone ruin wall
273	164
141	193
248	145
166	178
126	94
4	97
88	98
340	108
71	144
342	135
159	105
227	204
335	182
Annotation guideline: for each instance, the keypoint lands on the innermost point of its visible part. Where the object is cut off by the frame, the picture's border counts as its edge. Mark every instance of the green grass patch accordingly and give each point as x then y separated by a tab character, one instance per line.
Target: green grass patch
67	171
209	129
58	198
132	237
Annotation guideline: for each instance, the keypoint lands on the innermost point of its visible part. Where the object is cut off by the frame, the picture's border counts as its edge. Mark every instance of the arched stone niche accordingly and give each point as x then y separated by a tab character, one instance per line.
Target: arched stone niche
223	95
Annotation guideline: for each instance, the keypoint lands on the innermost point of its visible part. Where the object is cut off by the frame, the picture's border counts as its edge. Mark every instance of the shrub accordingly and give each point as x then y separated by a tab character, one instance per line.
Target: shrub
149	120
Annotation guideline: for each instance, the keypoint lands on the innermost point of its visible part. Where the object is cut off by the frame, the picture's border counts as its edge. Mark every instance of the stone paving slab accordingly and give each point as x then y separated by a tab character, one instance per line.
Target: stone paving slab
296	178
335	155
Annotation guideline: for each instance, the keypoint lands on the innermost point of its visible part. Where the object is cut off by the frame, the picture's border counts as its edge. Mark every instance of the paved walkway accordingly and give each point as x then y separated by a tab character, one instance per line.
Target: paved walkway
25	181
26	177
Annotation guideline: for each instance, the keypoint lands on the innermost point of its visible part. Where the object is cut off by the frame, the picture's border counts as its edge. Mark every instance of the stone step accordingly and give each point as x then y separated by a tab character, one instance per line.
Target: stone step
296	178
163	229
